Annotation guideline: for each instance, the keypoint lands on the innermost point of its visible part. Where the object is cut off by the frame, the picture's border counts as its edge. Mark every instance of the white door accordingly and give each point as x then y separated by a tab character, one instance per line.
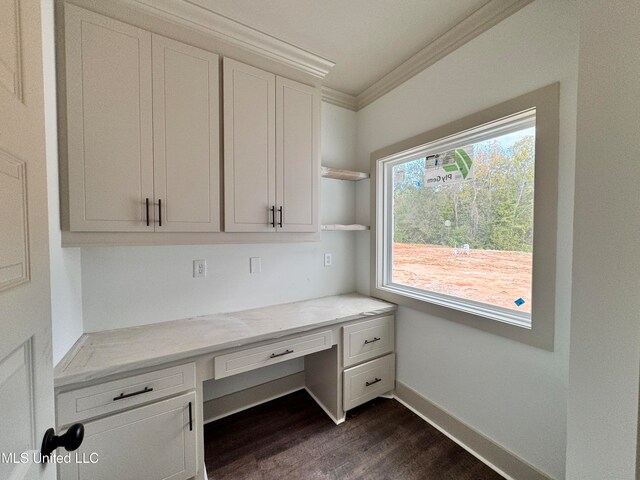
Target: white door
186	133
297	157
26	374
249	148
109	123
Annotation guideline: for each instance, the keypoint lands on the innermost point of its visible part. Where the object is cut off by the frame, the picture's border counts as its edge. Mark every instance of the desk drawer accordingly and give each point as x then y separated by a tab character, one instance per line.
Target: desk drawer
369	339
256	357
369	380
85	403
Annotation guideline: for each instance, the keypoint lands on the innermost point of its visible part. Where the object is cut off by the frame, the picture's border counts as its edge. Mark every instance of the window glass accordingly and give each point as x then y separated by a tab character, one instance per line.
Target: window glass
461	220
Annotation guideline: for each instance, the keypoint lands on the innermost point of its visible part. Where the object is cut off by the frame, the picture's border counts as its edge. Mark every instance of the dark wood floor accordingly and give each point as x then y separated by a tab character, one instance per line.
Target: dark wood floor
292	438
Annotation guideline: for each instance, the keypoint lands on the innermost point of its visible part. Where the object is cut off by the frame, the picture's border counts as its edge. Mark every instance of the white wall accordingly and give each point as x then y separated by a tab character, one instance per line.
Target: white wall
66	287
128	286
513	393
605	323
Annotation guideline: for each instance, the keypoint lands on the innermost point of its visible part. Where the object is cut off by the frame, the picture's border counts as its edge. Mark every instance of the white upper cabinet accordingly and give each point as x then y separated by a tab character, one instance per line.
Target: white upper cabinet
297	156
249	148
143	139
143	129
271	152
110	139
186	137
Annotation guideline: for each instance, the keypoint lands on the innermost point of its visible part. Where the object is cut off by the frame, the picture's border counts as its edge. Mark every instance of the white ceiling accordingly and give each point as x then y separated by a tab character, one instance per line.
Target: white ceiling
365	38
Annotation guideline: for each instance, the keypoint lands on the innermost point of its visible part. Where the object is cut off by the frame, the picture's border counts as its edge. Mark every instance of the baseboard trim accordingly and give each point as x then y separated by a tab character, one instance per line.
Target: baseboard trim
503	461
221	407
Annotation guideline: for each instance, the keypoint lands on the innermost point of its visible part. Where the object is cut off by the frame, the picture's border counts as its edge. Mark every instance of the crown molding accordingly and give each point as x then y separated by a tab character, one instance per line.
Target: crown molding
340	99
189	14
478	22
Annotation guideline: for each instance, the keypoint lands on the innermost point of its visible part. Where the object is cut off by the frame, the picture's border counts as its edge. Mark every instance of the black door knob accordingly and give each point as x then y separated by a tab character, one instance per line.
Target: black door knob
70	440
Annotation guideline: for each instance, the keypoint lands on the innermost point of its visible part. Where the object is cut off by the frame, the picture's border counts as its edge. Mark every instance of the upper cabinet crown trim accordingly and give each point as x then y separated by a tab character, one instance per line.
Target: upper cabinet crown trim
340	99
234	33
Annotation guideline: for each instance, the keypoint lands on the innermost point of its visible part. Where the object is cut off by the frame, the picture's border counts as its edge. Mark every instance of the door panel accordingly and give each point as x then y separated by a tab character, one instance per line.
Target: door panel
186	136
26	371
249	148
297	159
16	394
152	442
10	53
14	260
110	154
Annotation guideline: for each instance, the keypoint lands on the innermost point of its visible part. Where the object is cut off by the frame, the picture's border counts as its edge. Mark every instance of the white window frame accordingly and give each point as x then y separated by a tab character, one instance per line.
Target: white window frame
539	108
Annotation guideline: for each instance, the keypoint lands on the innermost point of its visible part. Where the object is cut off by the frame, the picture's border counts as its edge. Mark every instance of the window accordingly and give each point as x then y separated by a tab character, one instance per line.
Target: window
455	223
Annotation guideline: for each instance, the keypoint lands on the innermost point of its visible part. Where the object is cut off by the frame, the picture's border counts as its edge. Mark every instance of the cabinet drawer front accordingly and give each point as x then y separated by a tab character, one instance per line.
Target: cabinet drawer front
109	397
366	340
369	380
152	442
252	358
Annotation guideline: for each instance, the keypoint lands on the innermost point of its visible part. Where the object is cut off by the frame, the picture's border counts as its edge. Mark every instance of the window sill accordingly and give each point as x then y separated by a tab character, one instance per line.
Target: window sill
486	311
534	334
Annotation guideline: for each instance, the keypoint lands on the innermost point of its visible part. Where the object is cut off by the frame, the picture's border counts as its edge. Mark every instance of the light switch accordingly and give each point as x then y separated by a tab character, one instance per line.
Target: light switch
199	268
255	265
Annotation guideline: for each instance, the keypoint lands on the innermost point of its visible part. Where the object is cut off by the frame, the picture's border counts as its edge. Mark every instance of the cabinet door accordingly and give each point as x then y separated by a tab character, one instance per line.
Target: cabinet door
186	137
152	442
109	124
297	158
249	148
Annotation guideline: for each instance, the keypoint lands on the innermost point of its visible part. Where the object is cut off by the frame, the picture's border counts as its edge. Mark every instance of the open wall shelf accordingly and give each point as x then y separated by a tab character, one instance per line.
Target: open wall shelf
344	228
341	174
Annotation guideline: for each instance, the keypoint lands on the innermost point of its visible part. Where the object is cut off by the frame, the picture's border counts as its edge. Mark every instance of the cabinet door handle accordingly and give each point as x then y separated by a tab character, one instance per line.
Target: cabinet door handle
276	355
273	216
190	419
375	339
123	396
159	212
146	206
280	222
368	384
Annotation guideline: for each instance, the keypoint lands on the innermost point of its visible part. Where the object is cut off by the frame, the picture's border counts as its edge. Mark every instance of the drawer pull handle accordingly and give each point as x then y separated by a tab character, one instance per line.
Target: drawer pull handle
375	339
368	384
123	396
276	355
190	418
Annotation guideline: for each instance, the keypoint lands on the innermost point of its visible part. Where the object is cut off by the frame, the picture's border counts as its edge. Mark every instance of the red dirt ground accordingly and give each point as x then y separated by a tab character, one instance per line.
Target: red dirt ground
490	276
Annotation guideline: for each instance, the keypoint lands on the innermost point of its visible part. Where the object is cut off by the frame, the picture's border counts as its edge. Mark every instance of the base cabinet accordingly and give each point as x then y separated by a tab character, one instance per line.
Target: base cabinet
368	381
369	361
153	442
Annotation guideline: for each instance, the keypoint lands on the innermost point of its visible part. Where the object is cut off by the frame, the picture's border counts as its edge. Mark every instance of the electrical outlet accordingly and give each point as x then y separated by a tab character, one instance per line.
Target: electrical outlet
255	265
199	268
327	260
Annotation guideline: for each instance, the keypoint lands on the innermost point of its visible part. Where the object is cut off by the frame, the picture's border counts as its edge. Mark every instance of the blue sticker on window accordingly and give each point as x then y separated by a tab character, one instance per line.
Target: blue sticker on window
519	302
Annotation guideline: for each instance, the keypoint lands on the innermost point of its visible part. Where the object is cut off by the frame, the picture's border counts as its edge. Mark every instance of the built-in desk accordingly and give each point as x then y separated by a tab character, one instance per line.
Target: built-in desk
139	390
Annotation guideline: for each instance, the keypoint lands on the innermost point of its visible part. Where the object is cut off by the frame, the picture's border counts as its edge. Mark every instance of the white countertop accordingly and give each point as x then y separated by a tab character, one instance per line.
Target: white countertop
96	355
